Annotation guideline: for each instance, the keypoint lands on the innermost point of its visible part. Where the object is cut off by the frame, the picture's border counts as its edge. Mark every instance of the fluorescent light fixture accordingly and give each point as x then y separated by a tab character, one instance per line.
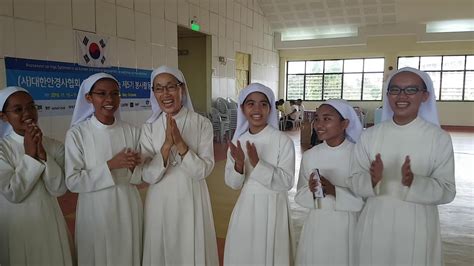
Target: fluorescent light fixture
318	33
459	25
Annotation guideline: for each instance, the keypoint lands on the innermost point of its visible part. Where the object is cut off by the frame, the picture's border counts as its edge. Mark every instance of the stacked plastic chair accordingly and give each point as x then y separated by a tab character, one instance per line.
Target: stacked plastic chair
221	106
282	119
361	115
232	107
220	126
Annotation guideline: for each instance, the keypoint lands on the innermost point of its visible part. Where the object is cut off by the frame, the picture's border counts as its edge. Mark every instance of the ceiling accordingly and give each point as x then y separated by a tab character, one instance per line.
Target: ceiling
316	19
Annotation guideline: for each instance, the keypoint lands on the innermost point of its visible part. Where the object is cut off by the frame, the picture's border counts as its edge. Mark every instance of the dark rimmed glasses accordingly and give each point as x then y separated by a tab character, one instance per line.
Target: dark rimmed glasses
169	88
20	110
103	94
395	90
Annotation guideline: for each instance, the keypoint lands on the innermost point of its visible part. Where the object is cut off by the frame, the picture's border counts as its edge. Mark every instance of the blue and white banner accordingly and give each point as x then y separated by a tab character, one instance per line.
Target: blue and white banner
54	85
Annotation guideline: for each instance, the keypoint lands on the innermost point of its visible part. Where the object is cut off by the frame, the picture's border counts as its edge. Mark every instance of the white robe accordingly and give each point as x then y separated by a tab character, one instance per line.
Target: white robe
179	226
109	213
327	237
399	225
32	227
260	229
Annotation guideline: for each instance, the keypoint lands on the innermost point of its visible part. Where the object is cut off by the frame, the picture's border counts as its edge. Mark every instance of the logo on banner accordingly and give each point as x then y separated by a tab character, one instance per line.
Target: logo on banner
92	50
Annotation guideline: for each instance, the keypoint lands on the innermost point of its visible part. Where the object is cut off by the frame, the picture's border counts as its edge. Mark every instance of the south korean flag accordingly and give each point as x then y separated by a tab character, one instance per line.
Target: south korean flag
91	50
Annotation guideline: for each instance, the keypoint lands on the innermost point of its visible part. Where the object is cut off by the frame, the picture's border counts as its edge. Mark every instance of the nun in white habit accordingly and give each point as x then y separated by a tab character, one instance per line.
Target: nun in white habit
327	237
32	226
100	160
404	167
261	162
177	145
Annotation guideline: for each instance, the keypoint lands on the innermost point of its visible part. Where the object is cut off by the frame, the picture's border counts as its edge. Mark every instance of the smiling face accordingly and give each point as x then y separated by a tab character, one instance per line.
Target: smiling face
329	125
168	92
405	107
256	109
19	111
105	97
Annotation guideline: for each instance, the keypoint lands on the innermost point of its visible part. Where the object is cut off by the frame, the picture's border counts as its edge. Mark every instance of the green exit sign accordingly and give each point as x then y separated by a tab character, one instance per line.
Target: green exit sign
195	26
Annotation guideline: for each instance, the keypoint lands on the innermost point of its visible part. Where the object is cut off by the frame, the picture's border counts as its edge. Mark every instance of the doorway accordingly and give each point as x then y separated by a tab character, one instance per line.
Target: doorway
242	71
194	60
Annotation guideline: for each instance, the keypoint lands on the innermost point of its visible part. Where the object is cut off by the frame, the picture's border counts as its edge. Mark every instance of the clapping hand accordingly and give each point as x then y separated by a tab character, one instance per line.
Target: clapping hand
238	155
252	154
376	169
407	174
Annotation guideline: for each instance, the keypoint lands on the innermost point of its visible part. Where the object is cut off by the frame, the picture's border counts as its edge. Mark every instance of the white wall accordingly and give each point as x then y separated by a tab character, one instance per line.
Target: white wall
143	34
240	26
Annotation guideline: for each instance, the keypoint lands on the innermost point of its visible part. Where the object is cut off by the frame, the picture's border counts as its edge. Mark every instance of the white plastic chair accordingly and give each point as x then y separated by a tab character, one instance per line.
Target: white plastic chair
232	107
221	106
360	113
295	123
220	126
282	120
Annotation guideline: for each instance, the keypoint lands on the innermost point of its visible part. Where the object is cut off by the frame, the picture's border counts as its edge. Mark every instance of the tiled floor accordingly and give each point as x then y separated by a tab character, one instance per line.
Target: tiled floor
457	218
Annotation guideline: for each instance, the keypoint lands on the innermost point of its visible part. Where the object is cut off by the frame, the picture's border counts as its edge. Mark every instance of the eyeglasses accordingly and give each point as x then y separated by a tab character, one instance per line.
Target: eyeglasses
20	110
103	94
170	88
394	90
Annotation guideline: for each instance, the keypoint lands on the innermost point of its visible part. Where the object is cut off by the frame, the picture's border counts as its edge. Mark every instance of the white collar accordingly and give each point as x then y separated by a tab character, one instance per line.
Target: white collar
17	137
101	125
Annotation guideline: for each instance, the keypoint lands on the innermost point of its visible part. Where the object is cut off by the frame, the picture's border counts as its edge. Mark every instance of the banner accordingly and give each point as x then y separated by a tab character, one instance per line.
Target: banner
54	85
92	50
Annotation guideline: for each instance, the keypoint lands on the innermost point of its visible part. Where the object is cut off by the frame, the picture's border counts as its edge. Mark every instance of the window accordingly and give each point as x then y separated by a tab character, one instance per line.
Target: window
349	79
453	75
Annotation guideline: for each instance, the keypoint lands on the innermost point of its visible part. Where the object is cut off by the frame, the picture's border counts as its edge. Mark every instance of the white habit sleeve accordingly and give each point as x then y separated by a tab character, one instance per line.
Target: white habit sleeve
361	182
439	187
53	175
153	168
17	181
136	177
278	177
233	179
304	197
347	201
78	178
199	164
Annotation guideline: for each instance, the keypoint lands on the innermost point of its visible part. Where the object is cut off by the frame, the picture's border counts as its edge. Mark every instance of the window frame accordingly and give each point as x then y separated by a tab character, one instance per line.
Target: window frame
324	73
441	71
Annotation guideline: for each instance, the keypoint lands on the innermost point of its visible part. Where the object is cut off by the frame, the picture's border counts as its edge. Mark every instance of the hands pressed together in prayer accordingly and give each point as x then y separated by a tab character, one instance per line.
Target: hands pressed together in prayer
33	142
376	169
173	138
239	157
